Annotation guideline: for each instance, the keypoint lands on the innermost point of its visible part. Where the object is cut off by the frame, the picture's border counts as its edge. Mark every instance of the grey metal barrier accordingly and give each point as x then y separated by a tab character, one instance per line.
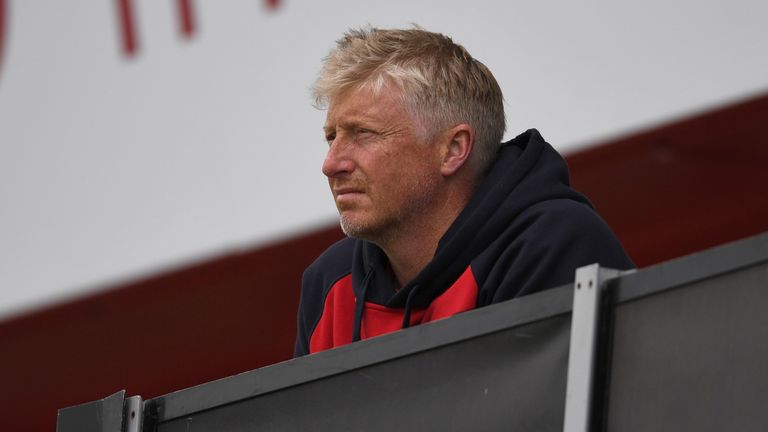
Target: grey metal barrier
682	345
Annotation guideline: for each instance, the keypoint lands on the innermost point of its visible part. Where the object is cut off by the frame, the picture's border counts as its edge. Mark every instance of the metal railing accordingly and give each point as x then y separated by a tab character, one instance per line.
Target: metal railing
677	346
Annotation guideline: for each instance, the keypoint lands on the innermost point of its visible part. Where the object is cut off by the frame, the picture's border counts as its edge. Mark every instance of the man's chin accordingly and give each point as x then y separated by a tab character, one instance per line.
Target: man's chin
351	228
354	228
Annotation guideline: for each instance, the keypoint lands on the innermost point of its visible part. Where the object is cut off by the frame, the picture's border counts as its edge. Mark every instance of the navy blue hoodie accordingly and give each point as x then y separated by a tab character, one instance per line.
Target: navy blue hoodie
524	230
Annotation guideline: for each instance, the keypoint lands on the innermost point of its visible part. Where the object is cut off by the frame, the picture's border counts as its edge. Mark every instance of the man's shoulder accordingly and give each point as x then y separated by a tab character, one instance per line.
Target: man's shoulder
333	263
565	217
331	266
565	212
555	233
576	228
543	246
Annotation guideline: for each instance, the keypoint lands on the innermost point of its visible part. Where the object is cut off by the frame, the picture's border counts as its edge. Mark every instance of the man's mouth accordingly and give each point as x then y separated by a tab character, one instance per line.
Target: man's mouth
345	194
346	191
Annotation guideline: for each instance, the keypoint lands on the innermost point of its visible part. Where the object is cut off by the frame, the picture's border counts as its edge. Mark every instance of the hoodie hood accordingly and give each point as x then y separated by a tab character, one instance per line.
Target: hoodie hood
527	171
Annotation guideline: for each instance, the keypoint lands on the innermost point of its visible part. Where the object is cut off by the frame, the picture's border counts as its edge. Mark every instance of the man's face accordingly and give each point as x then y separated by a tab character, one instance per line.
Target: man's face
382	173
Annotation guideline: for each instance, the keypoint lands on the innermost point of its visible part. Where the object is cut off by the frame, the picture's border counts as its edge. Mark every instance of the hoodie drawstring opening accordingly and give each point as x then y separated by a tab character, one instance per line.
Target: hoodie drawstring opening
360	308
407	312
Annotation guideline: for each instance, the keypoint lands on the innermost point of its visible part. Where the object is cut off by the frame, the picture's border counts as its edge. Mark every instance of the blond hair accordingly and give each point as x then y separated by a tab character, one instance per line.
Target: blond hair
442	85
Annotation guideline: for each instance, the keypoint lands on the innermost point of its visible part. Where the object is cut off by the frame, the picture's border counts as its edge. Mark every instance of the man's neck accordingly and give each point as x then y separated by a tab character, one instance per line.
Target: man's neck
413	247
410	255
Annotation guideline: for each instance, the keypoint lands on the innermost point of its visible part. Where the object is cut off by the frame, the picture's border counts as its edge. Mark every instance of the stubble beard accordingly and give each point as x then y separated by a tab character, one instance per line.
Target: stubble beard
349	227
391	225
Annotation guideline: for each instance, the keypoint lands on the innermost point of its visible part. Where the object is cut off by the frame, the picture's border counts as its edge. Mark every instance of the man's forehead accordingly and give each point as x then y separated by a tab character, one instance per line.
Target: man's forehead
361	105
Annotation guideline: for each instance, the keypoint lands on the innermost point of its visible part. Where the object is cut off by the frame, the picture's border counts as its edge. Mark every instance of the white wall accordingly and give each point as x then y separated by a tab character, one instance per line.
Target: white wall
114	168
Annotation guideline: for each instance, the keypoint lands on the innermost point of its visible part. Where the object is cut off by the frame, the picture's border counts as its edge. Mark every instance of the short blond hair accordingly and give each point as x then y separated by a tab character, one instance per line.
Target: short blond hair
442	84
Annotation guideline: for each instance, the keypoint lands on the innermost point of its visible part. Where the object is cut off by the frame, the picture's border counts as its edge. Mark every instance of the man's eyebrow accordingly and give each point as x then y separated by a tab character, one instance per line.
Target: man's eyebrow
347	125
331	130
356	124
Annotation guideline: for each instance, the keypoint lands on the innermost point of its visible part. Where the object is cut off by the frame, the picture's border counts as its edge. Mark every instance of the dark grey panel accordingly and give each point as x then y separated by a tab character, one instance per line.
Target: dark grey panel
104	415
693	358
369	352
508	380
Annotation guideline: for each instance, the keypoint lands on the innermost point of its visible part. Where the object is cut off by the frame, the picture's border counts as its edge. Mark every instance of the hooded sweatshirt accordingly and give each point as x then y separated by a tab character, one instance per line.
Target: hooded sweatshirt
524	230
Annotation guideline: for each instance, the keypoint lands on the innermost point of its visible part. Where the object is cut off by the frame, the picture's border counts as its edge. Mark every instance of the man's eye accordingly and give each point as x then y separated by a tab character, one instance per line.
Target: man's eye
329	138
362	132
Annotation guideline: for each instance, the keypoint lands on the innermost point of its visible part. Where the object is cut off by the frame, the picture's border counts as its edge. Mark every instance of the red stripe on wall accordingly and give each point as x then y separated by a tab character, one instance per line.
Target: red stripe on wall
186	18
127	23
683	187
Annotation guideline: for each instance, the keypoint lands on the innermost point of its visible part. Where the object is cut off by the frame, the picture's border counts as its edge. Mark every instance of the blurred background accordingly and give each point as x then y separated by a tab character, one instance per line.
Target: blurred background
160	184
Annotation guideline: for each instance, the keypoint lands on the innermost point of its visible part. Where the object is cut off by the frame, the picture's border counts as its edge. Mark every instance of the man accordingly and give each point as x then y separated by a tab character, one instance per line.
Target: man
440	216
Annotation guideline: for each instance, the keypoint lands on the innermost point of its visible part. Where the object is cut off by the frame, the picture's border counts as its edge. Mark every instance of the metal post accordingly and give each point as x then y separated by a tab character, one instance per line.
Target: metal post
587	291
133	415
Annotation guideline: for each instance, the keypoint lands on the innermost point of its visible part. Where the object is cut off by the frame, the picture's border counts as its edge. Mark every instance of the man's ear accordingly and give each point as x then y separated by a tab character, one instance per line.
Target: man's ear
458	143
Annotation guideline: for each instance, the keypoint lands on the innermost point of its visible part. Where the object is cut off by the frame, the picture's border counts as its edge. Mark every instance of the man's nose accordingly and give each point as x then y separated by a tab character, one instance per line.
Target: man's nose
337	160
